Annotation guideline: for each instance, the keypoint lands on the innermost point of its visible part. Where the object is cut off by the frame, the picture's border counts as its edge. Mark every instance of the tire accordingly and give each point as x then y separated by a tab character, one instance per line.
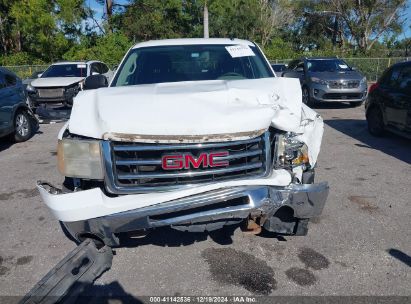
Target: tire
375	122
306	96
355	104
23	126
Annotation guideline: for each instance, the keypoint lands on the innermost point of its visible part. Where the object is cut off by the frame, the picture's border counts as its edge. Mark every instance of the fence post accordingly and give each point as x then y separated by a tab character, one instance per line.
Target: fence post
378	67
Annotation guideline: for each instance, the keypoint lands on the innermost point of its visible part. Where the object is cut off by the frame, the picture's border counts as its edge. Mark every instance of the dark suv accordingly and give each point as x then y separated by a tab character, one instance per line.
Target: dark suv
326	79
388	106
16	119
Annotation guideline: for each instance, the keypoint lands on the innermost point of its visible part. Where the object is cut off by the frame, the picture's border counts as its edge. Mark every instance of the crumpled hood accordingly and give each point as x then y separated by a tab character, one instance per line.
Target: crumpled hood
199	110
55	81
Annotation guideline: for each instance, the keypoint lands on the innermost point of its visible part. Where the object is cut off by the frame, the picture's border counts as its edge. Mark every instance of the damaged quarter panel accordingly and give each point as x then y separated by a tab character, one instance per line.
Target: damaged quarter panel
194	134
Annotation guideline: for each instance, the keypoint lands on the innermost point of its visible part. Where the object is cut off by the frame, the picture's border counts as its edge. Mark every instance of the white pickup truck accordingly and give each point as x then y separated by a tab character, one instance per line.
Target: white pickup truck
194	134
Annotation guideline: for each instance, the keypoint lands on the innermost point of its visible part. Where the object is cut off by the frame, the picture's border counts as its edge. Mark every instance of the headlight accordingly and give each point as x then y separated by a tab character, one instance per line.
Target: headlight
30	88
363	81
318	80
80	158
290	152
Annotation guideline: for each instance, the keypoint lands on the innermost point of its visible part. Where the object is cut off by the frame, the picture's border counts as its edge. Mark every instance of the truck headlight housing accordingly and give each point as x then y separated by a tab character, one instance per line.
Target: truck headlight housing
363	81
80	158
290	152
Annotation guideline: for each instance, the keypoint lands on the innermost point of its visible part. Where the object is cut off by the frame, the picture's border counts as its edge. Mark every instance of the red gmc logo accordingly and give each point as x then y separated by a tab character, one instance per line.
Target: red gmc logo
188	161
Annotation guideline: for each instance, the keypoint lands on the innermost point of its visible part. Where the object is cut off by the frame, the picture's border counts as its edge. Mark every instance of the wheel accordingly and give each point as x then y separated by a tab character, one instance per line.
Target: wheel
355	103
375	122
23	128
306	96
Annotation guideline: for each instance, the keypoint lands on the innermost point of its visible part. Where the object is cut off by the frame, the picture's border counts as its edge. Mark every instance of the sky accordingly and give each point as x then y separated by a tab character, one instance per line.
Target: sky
407	24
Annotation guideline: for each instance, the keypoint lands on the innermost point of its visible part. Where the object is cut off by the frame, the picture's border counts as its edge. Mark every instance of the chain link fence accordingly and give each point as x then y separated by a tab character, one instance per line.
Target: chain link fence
25	71
372	68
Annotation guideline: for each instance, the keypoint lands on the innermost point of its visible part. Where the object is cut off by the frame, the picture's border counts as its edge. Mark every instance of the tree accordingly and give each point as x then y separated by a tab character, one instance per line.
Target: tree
365	21
258	20
44	29
156	19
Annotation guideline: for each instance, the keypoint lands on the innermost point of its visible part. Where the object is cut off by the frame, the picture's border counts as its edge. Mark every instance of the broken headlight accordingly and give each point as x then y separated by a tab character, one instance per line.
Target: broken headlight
290	152
80	158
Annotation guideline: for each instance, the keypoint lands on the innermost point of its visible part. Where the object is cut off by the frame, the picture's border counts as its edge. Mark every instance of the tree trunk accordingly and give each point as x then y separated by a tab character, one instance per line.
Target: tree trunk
2	36
109	9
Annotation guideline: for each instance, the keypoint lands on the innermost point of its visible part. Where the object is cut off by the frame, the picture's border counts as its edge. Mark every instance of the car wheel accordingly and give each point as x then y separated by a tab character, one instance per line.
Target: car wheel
355	103
23	128
306	96
375	122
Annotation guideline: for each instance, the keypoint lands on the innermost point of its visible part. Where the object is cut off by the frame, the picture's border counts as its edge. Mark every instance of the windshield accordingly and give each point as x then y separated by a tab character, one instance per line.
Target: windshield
66	70
191	63
327	65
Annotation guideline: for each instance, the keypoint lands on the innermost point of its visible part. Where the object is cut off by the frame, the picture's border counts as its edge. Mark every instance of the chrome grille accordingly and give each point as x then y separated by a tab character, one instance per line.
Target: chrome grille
137	167
343	84
51	93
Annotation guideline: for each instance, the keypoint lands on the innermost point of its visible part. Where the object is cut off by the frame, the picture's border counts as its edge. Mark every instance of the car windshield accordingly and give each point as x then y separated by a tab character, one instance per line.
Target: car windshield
191	63
66	70
327	65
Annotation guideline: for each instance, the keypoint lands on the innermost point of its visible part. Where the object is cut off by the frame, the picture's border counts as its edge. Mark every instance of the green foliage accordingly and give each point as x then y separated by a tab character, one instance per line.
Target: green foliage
21	58
109	48
156	19
48	30
279	49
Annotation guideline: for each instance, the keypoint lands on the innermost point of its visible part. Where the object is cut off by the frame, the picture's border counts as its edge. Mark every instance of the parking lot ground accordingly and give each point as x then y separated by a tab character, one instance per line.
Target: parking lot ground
361	245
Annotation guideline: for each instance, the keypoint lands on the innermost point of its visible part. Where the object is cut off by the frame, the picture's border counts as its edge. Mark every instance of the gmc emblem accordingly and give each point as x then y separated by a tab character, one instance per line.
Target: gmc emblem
188	161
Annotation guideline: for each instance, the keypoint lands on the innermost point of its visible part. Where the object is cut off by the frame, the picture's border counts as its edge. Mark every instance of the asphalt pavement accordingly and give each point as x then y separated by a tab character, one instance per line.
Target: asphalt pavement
361	245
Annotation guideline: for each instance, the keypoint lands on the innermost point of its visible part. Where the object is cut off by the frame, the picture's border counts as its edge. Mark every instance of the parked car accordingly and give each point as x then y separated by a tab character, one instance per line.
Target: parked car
325	79
62	81
388	106
194	134
16	119
278	68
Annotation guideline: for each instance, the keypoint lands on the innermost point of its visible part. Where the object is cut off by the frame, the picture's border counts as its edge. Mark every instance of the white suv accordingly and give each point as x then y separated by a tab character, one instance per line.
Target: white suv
191	133
62	81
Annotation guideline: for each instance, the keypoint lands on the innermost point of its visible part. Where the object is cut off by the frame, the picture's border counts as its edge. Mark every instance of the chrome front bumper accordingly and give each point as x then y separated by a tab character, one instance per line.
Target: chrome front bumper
218	206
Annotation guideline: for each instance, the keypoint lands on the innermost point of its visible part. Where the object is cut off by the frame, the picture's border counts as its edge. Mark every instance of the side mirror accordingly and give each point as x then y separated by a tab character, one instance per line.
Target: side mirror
39	75
95	81
354	68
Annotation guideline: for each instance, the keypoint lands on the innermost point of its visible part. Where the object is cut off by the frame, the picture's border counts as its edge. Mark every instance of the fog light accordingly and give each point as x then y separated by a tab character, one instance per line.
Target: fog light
315	91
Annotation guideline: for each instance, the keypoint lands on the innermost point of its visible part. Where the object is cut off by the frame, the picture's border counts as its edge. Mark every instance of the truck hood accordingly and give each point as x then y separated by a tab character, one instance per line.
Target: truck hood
220	110
55	81
194	111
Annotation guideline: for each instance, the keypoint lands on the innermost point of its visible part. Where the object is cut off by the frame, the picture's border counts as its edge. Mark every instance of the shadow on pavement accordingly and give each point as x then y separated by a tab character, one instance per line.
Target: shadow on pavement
5	143
401	256
390	144
57	113
96	294
168	237
332	105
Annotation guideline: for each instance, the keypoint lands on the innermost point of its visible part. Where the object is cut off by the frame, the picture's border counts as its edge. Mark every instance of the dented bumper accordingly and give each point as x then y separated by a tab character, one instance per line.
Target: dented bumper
209	210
